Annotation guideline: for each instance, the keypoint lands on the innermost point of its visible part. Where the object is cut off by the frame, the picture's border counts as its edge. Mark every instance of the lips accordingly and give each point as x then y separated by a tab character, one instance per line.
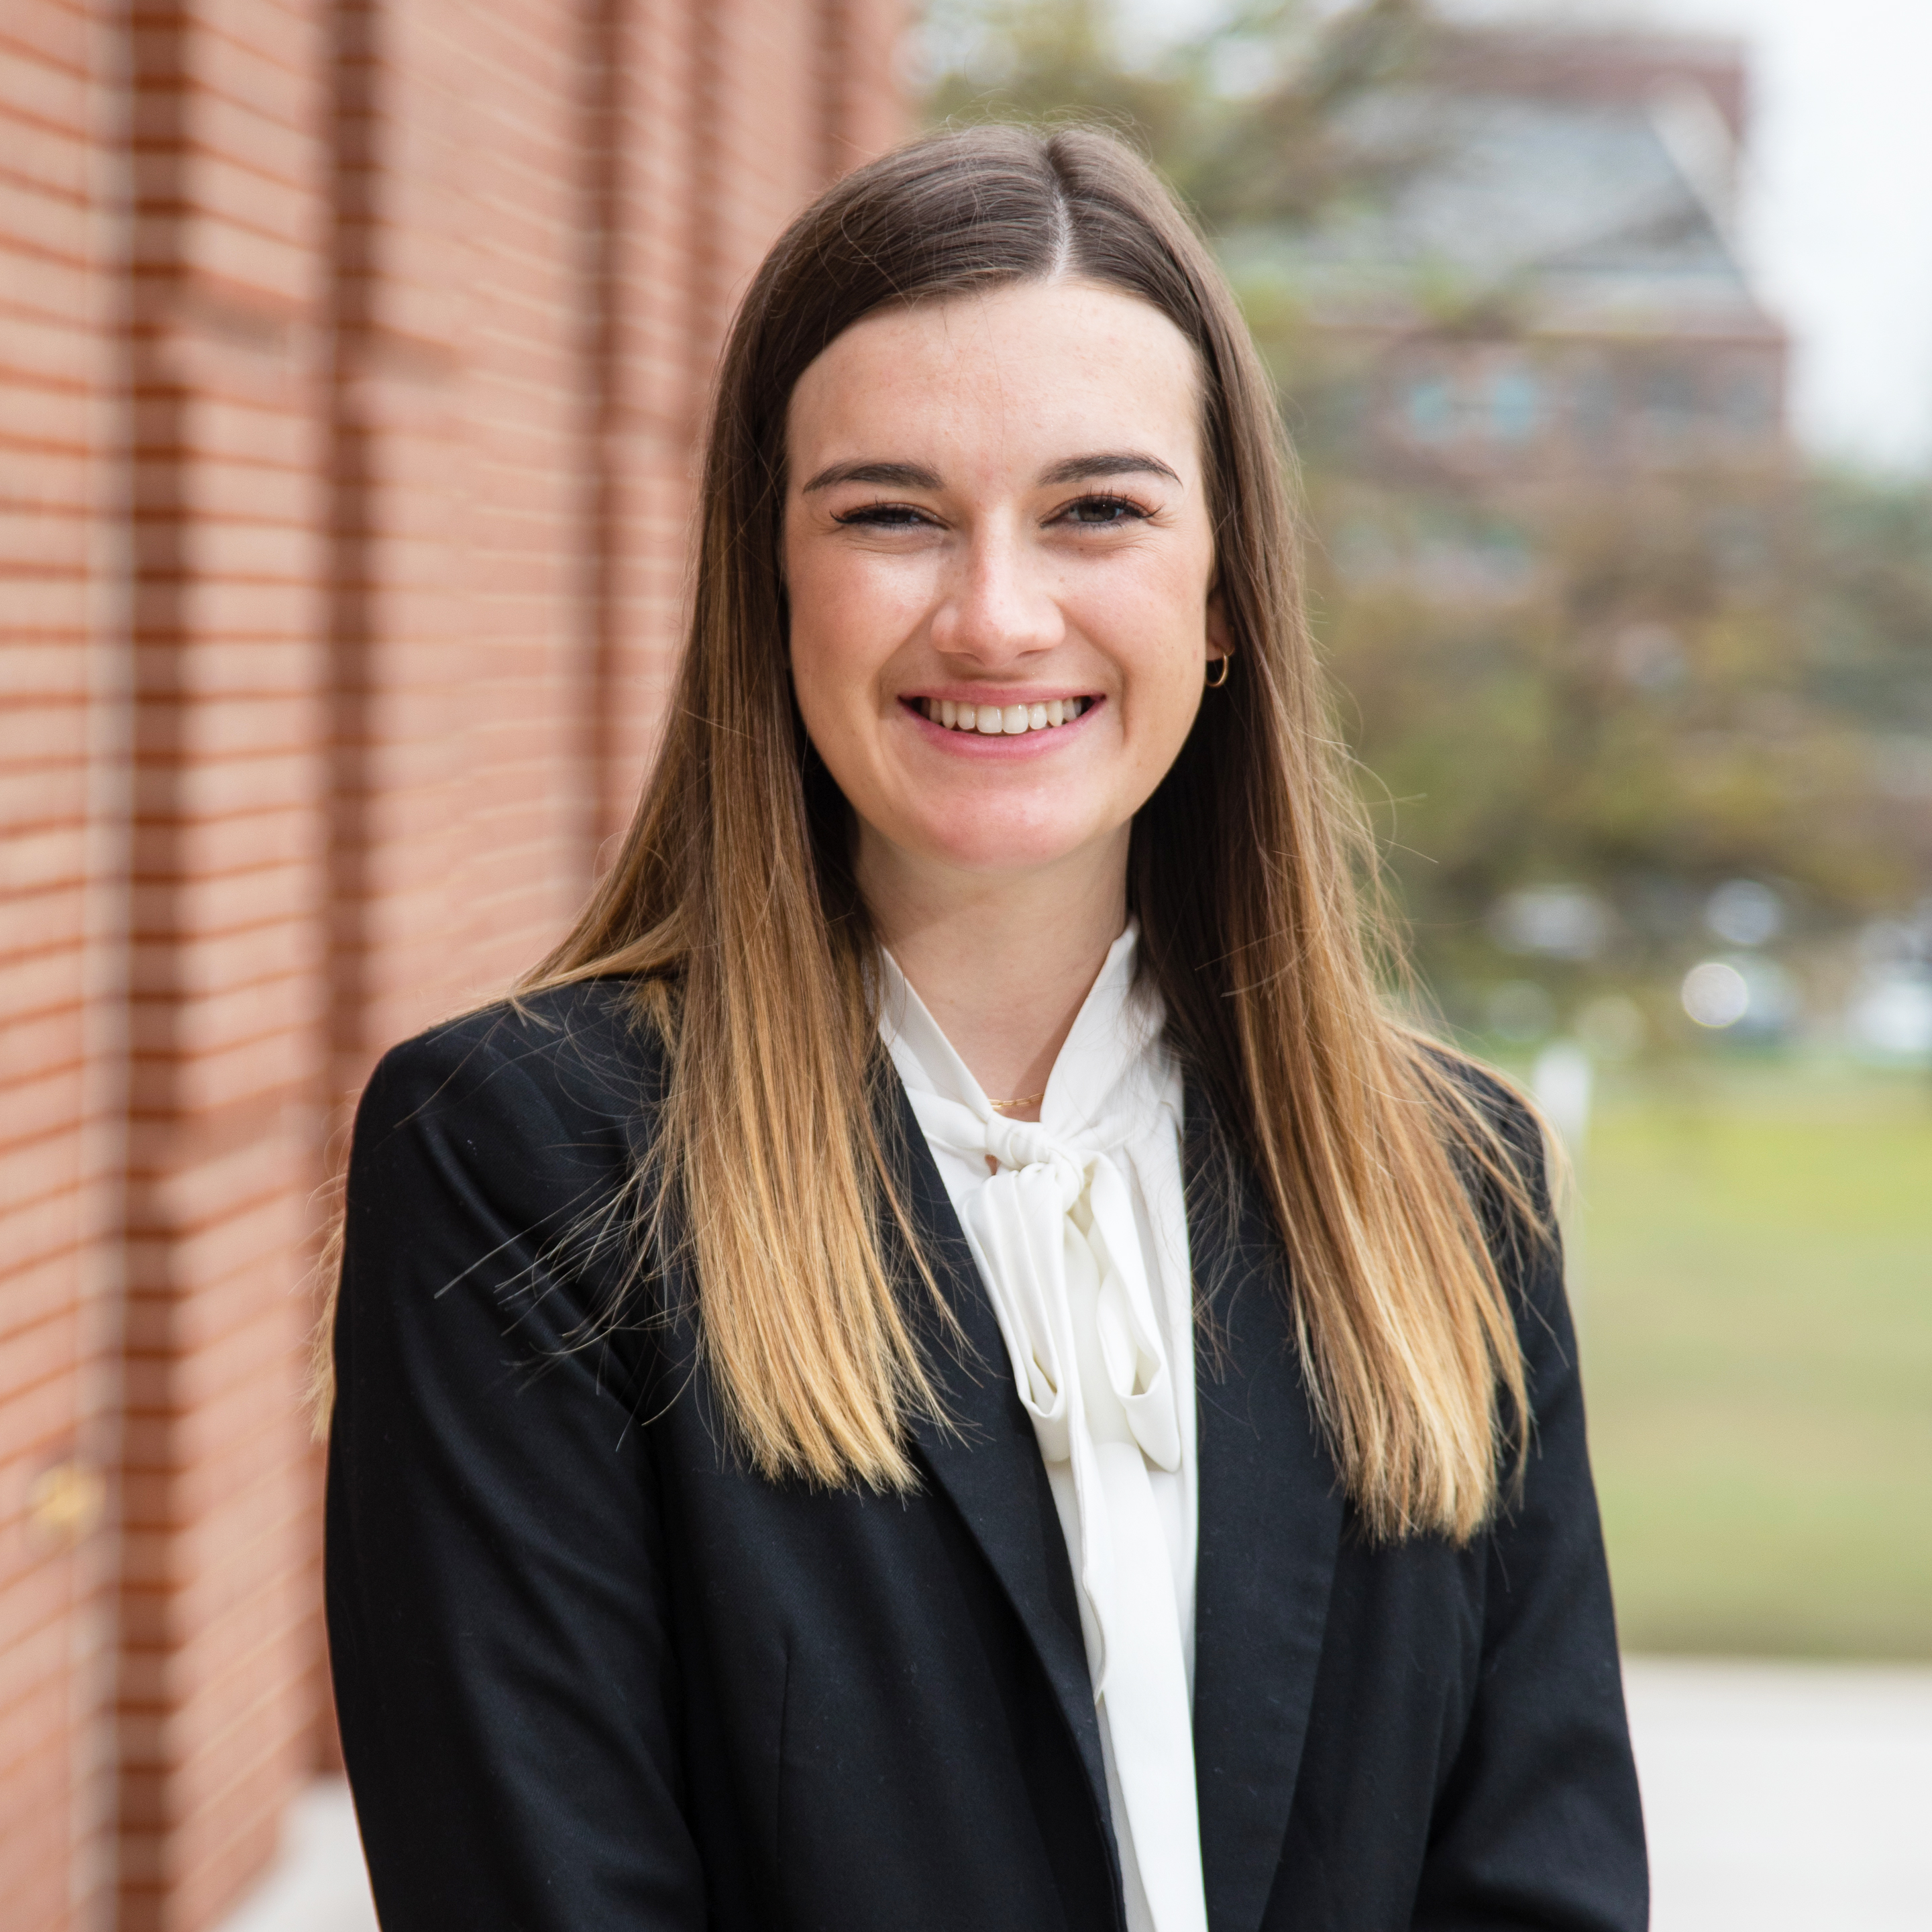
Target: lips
993	721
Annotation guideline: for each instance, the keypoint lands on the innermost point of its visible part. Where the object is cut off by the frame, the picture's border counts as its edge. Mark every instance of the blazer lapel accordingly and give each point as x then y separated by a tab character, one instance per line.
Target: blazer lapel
989	1463
1271	1521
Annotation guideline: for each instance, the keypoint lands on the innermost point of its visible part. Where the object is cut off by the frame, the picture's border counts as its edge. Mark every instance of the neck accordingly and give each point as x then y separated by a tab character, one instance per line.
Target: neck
1002	962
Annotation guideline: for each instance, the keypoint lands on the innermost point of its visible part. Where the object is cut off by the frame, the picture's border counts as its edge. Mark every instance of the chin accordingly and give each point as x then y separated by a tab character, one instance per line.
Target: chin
992	849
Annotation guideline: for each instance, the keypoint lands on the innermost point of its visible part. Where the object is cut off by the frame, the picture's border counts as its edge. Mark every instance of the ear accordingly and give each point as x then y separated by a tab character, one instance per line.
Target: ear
1219	643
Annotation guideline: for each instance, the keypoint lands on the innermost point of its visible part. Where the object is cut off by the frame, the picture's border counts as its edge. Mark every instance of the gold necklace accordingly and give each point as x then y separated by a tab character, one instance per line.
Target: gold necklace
1025	1100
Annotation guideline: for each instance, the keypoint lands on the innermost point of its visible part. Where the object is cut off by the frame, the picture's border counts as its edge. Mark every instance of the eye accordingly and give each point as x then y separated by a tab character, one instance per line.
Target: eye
1102	512
882	517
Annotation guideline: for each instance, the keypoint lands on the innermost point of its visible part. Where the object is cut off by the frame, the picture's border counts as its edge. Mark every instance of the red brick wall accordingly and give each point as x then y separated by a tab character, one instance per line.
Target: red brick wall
351	354
219	1649
62	670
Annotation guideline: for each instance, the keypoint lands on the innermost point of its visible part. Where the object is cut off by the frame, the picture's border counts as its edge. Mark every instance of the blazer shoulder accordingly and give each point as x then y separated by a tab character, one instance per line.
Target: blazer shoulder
521	1123
1527	1250
1506	1110
1501	1099
588	1051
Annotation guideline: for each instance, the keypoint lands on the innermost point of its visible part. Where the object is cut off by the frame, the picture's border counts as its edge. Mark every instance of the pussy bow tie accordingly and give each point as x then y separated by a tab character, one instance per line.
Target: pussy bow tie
1054	1232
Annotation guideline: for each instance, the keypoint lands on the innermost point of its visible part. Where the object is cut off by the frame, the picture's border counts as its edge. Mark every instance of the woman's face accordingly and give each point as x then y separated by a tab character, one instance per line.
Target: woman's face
996	514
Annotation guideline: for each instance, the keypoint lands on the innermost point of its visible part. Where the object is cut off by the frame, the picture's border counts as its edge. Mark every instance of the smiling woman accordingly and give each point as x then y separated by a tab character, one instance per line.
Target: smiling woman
945	1362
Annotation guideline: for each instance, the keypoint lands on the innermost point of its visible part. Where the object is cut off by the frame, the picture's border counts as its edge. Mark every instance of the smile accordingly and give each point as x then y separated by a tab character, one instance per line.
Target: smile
993	721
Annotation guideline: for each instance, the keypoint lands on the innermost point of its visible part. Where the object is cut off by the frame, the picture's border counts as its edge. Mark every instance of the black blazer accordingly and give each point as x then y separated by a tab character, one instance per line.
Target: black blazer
594	1677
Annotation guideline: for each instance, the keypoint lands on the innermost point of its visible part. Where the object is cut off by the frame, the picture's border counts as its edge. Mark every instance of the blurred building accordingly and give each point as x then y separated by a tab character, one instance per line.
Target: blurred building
351	356
1541	284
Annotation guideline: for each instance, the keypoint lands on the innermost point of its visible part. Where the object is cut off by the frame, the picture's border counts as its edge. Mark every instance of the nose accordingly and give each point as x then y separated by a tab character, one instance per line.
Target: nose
998	605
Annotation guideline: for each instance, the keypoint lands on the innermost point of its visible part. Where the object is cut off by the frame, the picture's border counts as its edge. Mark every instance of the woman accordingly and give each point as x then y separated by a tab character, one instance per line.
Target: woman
946	1363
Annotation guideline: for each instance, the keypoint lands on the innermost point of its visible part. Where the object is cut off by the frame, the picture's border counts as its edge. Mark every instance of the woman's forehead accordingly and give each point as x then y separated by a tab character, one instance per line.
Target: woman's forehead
1022	368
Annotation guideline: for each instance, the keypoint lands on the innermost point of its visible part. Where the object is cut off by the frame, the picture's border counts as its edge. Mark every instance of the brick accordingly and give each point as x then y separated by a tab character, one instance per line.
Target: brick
317	868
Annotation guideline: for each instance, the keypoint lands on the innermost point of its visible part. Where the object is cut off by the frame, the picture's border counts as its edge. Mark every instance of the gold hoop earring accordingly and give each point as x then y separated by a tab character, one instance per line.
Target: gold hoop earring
1216	683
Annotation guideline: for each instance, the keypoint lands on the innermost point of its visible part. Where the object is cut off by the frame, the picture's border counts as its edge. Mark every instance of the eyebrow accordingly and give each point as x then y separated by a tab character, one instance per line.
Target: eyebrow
1074	469
900	475
1108	462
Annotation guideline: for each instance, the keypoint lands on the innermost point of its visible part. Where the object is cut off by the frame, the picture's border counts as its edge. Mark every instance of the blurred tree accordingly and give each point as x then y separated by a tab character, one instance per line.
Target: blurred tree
1243	115
1632	719
1870	584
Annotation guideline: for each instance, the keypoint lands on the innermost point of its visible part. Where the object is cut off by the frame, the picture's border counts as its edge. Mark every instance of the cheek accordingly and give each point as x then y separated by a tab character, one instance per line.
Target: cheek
825	661
843	633
848	613
1157	623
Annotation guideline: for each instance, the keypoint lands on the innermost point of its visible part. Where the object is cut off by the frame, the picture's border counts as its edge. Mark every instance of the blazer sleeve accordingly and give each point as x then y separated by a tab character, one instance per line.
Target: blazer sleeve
495	1567
1539	1826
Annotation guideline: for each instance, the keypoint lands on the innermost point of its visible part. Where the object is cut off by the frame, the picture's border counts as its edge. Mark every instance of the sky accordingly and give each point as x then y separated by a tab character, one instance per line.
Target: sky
1837	215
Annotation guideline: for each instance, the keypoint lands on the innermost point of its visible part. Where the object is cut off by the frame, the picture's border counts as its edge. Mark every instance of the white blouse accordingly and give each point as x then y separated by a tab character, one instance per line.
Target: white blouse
1080	1234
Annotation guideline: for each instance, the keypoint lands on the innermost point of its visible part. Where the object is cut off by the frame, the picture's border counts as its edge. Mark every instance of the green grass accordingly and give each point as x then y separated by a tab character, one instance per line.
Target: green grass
1754	1272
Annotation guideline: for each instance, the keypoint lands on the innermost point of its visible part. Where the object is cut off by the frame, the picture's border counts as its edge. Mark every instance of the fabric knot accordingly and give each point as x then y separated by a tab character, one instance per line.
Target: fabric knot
1027	1144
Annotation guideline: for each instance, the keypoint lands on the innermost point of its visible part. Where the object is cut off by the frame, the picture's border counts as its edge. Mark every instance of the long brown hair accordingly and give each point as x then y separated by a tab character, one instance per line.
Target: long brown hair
733	906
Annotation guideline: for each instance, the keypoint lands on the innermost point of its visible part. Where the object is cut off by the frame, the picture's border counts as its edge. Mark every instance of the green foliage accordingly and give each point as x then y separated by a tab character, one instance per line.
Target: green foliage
1242	116
1632	717
1870	585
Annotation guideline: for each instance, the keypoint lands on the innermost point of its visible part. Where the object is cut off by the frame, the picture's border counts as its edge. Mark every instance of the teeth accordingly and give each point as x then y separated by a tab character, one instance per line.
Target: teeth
993	720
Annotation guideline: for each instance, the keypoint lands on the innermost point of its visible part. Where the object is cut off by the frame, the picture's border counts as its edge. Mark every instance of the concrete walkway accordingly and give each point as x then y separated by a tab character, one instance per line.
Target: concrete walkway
319	1884
1780	1797
1785	1797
